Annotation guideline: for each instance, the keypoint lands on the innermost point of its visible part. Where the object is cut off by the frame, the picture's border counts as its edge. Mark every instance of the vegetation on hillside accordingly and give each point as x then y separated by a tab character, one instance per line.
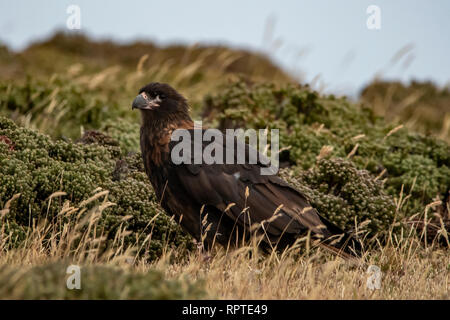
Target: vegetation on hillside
48	281
72	186
35	166
313	126
419	105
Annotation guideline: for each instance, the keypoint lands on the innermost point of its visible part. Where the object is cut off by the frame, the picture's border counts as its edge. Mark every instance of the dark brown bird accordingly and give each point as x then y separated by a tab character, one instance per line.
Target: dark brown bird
224	203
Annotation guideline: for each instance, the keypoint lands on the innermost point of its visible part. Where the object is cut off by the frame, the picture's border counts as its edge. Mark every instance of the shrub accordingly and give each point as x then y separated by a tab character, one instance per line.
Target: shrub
309	121
97	282
345	195
36	166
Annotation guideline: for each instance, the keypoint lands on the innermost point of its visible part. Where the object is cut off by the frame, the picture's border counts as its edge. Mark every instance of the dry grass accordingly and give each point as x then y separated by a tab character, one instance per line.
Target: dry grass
408	273
410	269
422	107
74	234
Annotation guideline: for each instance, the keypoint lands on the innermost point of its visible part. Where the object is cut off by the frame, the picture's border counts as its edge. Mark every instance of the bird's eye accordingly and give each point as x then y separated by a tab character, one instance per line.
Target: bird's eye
161	95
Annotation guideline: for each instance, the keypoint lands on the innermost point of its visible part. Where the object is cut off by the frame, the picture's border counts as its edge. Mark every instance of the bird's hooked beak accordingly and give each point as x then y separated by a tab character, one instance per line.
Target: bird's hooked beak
143	102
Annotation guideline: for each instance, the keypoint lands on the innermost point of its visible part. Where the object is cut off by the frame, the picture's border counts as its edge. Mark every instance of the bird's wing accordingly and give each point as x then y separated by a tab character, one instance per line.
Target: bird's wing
248	197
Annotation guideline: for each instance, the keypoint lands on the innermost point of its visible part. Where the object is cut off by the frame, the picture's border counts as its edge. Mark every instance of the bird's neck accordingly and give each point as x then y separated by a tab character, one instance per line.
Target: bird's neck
158	128
156	134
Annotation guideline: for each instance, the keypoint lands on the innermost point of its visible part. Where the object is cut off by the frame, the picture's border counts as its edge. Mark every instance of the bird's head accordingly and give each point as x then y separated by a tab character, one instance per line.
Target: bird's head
159	100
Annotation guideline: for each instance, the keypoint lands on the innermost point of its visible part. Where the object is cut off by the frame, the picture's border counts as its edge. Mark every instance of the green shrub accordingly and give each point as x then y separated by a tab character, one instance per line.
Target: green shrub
309	121
97	282
36	166
345	195
125	132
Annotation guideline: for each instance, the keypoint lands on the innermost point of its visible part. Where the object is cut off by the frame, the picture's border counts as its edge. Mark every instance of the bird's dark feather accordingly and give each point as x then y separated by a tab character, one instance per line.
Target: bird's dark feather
216	194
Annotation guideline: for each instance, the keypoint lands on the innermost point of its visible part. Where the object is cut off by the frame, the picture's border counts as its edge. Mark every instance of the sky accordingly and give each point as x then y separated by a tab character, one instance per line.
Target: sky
325	43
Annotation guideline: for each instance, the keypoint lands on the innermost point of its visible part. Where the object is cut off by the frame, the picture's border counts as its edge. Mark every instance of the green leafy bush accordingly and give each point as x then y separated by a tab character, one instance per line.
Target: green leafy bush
345	195
36	166
97	282
125	132
309	121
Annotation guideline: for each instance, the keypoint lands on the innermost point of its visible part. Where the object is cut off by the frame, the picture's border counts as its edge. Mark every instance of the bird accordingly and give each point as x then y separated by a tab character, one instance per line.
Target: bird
225	203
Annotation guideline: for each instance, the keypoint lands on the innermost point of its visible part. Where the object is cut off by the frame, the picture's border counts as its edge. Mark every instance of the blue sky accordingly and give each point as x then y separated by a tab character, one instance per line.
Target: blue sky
323	42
